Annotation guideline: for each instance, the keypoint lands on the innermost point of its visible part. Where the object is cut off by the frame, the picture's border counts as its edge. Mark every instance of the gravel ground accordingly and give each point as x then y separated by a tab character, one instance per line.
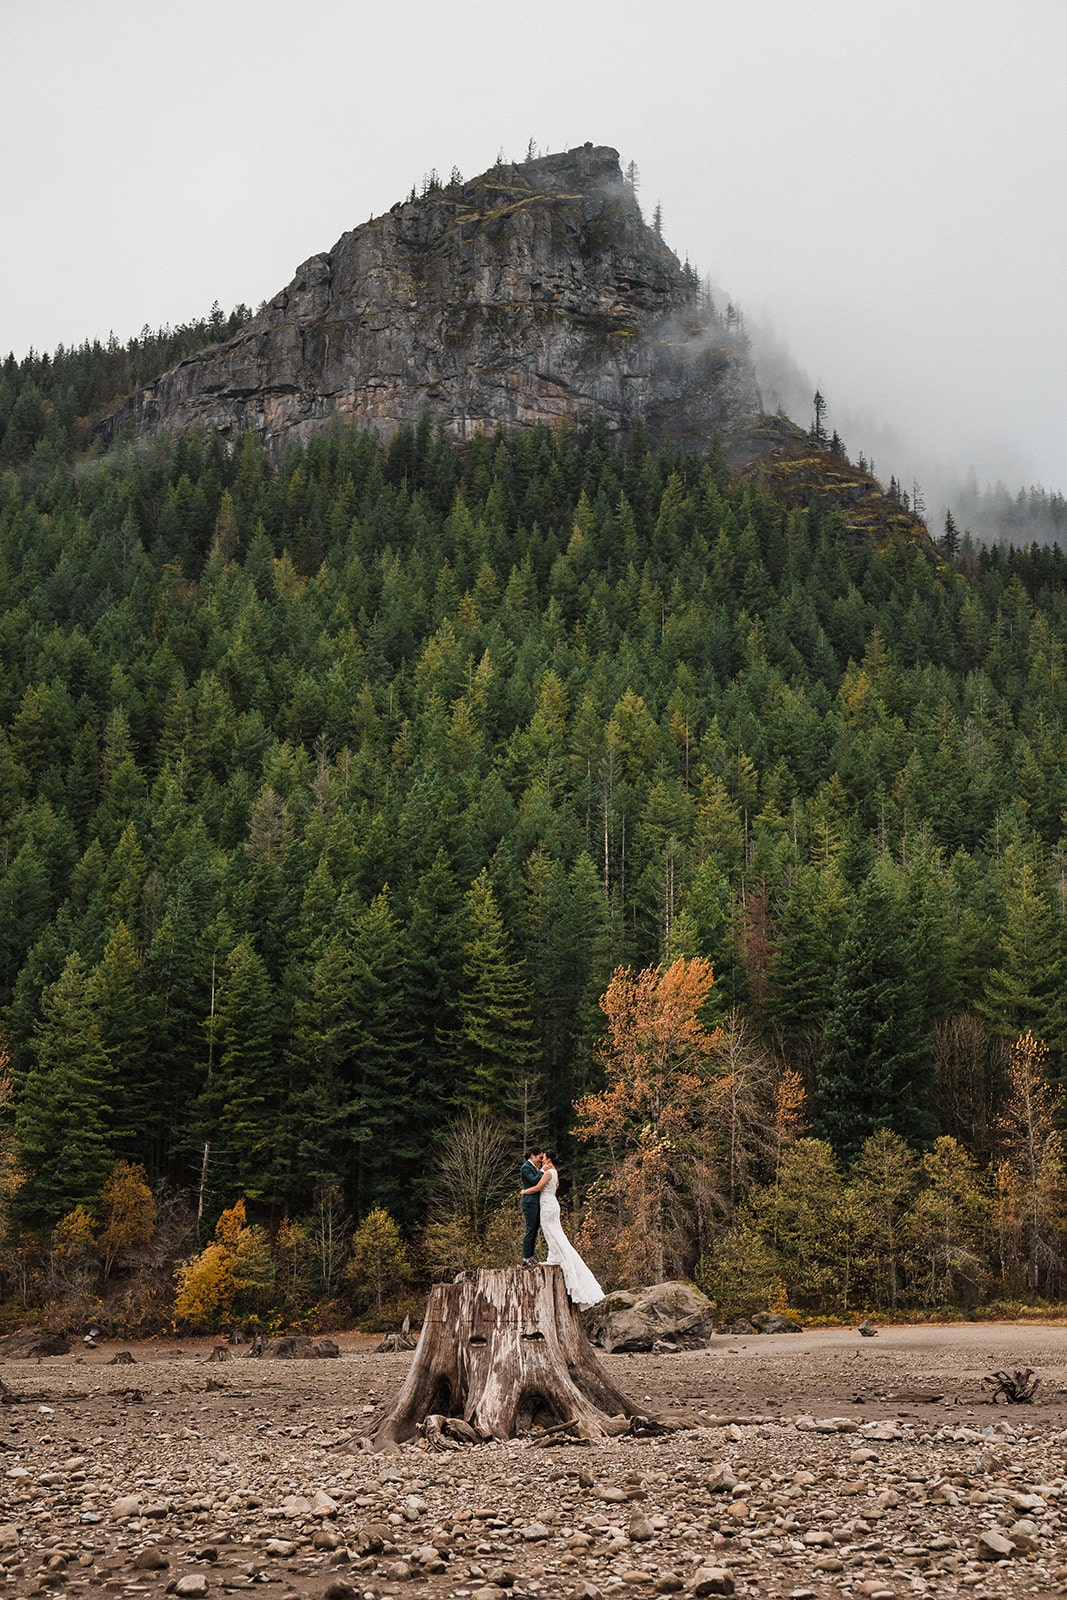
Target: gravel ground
823	1465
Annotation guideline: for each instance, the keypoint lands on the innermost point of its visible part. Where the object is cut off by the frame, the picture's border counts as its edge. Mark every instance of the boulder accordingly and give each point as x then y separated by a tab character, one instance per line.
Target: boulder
292	1347
29	1342
771	1322
637	1321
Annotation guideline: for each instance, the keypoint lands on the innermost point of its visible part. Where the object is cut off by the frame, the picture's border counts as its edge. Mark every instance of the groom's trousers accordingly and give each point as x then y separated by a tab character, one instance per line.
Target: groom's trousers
531	1212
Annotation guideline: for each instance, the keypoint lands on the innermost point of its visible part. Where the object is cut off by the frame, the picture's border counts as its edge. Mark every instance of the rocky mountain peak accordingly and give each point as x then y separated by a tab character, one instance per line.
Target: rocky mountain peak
535	292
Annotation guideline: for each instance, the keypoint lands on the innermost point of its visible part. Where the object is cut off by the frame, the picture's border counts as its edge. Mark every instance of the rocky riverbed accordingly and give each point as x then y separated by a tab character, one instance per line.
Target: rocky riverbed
823	1465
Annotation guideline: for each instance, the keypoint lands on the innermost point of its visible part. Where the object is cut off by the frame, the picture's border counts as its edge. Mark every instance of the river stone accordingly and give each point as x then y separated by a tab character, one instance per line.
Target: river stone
722	1480
994	1546
711	1580
150	1559
192	1585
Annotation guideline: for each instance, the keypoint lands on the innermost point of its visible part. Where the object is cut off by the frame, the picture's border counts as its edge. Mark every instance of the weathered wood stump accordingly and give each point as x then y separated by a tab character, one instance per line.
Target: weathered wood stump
499	1349
1018	1388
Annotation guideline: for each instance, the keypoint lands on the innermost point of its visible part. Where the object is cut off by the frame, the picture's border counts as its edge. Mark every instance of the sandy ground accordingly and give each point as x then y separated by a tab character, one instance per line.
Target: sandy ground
867	1467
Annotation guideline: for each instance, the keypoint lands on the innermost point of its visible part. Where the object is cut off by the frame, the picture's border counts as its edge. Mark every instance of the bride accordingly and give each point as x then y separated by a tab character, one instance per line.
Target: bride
582	1287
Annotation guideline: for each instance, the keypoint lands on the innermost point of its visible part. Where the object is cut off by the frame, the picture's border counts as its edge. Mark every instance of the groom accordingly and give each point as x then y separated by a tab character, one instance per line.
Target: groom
530	1173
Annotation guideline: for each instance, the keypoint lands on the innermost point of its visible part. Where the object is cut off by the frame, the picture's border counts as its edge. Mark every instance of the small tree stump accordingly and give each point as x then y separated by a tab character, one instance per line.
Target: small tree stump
221	1352
1018	1388
499	1348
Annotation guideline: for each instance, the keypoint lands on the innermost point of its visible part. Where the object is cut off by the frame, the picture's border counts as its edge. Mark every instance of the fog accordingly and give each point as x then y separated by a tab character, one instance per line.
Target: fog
877	185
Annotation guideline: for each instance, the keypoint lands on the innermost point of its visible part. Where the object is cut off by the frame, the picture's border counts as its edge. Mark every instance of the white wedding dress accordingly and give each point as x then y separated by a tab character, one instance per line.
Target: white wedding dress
582	1287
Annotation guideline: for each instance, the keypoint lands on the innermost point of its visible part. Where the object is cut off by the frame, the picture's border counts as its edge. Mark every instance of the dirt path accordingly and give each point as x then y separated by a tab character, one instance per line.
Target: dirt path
824	1464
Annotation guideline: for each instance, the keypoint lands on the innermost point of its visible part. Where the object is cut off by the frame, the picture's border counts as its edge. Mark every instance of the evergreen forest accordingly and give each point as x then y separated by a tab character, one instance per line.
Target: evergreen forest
369	814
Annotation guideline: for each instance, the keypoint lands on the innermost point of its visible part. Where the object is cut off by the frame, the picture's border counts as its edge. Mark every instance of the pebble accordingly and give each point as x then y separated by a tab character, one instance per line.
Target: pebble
194	1584
151	1559
993	1546
894	1506
711	1580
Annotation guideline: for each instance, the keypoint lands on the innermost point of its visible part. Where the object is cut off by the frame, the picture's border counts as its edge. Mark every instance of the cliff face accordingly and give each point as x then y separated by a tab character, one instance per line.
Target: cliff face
532	293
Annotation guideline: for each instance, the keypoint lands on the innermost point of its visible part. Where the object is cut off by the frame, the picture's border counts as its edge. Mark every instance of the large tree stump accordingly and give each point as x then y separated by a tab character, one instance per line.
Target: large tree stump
498	1349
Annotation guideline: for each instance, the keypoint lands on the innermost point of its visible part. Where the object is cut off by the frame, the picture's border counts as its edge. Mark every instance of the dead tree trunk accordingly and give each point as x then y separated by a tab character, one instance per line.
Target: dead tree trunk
499	1349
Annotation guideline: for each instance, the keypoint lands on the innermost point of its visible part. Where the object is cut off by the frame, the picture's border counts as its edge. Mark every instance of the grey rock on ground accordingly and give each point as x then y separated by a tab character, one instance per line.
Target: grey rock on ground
675	1312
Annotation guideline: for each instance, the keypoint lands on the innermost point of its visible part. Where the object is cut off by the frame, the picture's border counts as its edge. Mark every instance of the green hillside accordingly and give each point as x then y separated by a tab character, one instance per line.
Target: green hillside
331	796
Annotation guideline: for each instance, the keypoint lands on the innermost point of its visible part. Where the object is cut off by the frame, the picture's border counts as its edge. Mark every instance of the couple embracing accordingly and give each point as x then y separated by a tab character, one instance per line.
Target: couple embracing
540	1209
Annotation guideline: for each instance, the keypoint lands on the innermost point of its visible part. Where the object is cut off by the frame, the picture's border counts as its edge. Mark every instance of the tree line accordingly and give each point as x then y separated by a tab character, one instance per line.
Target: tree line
336	793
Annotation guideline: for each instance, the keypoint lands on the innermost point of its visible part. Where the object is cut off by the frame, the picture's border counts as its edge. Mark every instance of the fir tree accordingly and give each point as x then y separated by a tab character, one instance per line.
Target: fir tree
493	1038
875	1069
65	1104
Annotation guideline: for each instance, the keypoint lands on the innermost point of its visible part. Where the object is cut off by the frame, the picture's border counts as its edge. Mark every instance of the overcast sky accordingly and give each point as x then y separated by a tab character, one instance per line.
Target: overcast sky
880	182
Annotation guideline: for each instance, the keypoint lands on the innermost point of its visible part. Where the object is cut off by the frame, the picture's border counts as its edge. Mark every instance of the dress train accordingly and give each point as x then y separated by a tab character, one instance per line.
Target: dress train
582	1286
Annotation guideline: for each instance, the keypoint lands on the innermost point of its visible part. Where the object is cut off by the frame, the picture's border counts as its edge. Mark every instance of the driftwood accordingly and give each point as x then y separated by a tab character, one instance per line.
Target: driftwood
448	1433
505	1349
122	1358
1018	1388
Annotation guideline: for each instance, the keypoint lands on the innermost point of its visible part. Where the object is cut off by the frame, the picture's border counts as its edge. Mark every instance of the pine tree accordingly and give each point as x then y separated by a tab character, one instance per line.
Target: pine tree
875	1070
492	1042
1023	986
65	1104
386	1140
116	991
808	930
24	910
240	1104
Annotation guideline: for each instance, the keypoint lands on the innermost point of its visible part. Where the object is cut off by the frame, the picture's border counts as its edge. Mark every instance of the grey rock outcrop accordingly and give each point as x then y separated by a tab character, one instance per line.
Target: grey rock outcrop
533	293
637	1321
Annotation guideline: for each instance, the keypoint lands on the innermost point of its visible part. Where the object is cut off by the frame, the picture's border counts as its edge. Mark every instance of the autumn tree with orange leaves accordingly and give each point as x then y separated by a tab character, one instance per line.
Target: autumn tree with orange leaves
657	1116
